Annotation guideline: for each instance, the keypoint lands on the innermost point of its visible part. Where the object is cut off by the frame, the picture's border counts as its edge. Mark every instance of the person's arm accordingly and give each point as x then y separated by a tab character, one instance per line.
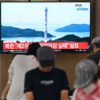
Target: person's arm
10	77
28	87
5	91
64	93
29	96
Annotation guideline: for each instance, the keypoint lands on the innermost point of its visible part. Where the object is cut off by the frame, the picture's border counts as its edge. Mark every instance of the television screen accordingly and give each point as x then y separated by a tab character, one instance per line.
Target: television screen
64	26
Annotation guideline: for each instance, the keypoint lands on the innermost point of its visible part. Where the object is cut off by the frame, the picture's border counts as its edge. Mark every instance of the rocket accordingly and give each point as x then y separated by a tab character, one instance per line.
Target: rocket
45	33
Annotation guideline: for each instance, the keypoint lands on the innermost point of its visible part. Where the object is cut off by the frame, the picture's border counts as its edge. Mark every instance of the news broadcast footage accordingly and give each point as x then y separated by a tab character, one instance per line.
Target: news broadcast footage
64	26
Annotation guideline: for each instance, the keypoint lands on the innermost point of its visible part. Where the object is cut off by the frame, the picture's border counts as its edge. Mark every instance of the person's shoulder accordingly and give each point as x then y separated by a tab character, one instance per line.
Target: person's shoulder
19	56
58	70
32	71
92	55
23	56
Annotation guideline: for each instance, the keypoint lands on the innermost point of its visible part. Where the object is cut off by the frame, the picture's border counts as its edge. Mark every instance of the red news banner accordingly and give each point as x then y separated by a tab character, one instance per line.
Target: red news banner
54	45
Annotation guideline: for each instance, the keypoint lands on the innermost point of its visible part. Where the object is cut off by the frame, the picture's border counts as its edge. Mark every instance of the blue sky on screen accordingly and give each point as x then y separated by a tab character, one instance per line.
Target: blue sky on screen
29	15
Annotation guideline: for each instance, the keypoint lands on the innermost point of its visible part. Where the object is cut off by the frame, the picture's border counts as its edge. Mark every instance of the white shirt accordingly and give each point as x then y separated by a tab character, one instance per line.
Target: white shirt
19	66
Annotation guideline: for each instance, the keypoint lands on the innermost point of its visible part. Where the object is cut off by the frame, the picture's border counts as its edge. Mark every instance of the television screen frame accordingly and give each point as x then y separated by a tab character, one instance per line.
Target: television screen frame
92	29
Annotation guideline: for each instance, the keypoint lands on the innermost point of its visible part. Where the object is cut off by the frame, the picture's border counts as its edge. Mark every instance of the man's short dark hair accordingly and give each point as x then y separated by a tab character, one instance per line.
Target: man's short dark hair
32	48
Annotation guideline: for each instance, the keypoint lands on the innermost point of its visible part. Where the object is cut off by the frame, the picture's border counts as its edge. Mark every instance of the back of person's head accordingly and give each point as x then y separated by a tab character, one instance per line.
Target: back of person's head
86	72
45	56
32	48
96	42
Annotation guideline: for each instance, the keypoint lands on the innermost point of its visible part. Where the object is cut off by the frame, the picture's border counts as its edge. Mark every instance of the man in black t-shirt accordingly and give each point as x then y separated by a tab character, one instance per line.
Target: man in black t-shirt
96	52
46	82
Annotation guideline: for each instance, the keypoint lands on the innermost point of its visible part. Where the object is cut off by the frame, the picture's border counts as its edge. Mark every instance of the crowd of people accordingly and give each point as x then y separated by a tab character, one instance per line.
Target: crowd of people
34	76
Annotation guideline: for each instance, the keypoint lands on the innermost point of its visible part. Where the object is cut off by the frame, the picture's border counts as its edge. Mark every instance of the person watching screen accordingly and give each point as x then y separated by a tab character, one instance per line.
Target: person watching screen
46	82
87	83
19	66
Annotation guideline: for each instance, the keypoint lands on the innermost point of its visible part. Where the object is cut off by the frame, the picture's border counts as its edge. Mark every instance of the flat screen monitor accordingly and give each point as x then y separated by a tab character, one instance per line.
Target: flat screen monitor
64	26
